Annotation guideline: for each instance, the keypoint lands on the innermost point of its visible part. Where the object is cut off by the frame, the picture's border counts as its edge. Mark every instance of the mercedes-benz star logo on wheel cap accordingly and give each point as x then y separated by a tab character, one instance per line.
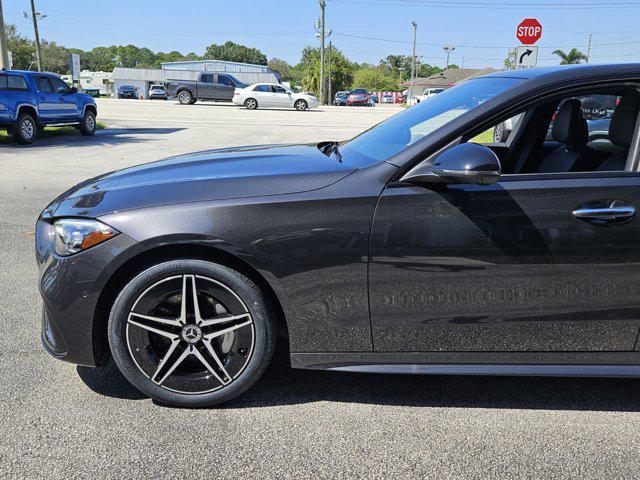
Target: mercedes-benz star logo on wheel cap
191	333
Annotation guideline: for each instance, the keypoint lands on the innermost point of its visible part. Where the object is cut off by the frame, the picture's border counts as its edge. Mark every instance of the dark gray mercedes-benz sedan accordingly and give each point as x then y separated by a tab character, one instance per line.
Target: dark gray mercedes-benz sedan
416	247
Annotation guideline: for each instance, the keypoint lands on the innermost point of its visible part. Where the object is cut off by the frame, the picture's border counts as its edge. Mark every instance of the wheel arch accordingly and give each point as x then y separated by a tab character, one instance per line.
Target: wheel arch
90	107
136	264
26	108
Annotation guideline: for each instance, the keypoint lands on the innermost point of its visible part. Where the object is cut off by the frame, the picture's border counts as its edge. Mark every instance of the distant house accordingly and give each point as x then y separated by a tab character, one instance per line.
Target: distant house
446	79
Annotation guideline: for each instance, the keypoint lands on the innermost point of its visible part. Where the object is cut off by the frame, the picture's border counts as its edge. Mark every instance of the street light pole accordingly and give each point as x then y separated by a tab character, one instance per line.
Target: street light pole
448	49
34	17
322	7
4	54
589	47
413	58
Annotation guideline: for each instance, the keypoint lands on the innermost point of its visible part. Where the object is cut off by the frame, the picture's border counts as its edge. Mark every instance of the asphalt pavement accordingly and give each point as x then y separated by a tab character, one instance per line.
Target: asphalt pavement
62	421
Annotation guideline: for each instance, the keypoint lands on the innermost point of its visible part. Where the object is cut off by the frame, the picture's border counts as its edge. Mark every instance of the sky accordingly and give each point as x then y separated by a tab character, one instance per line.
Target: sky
365	30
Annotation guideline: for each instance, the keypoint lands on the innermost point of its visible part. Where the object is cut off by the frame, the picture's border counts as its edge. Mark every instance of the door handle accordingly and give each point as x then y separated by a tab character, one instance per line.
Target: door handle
606	212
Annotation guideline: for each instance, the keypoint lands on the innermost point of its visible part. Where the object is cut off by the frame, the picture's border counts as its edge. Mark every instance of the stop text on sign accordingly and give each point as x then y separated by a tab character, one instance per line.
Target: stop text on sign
529	31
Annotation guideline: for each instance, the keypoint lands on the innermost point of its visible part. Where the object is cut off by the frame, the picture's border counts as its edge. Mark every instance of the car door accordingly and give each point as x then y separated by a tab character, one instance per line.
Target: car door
207	87
66	102
225	87
263	94
281	97
48	108
528	264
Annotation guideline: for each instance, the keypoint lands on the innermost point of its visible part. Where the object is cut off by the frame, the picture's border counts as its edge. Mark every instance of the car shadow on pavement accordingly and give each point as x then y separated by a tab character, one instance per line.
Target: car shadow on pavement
281	385
107	136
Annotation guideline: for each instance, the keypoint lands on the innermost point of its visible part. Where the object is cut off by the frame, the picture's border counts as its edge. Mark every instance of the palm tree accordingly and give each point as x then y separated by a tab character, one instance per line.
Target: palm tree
574	56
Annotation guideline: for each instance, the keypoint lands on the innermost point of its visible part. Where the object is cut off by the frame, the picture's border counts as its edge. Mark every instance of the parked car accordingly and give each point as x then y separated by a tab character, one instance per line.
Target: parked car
387	98
270	95
29	101
408	249
157	91
128	91
359	96
209	86
341	98
427	94
402	98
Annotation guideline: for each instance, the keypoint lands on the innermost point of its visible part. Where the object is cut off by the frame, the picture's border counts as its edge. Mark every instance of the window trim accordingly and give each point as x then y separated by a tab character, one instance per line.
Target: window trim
421	151
527	105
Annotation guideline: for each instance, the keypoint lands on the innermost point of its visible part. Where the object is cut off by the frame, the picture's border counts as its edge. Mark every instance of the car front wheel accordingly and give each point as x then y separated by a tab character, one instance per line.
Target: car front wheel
301	105
88	124
191	333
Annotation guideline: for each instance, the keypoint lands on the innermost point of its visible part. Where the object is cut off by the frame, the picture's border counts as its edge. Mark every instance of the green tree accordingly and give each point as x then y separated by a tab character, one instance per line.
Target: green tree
234	52
55	58
426	70
22	49
399	66
510	62
374	79
574	56
285	70
308	69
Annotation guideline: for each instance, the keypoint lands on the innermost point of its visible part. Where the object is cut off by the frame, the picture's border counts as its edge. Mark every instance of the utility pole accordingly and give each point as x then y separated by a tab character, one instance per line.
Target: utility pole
34	17
322	7
4	54
589	47
330	96
413	58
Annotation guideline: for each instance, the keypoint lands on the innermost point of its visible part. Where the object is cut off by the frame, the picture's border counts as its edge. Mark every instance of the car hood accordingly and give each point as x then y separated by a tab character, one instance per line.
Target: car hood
204	176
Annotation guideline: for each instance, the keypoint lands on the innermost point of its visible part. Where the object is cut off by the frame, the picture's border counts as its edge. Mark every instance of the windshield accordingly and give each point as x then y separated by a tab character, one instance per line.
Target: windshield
401	130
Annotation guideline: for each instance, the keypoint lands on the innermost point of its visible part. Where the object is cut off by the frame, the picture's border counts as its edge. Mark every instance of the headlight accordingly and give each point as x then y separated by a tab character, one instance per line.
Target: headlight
74	235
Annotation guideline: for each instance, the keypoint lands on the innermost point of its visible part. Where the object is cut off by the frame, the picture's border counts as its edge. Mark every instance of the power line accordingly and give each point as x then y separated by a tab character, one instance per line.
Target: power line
510	5
363	37
498	5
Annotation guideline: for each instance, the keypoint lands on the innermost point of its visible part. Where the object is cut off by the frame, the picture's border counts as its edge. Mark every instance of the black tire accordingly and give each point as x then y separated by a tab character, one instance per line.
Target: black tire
301	105
87	125
185	97
251	103
256	359
26	129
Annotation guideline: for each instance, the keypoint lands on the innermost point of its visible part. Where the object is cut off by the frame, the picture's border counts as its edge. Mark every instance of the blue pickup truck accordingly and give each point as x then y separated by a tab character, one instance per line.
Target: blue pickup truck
29	101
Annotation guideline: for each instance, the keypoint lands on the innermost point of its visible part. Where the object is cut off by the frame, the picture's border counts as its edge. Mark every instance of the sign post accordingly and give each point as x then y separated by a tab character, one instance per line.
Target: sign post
74	67
528	32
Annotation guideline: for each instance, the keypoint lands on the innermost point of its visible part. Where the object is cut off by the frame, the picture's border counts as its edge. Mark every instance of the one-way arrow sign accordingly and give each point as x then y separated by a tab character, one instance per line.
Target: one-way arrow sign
526	56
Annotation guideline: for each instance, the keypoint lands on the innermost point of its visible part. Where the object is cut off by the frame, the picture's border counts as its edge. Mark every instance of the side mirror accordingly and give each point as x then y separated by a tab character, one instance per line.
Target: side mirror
467	163
71	90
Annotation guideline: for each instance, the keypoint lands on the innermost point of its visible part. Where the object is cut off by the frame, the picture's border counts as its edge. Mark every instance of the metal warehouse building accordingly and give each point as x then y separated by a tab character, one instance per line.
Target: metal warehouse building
143	78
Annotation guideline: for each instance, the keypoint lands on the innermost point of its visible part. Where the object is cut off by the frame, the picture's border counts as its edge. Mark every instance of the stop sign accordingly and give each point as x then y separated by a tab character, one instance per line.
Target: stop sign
529	31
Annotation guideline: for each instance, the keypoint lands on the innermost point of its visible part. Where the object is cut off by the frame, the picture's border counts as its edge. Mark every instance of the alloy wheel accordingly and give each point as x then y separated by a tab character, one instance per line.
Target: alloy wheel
190	334
90	122
27	129
184	97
